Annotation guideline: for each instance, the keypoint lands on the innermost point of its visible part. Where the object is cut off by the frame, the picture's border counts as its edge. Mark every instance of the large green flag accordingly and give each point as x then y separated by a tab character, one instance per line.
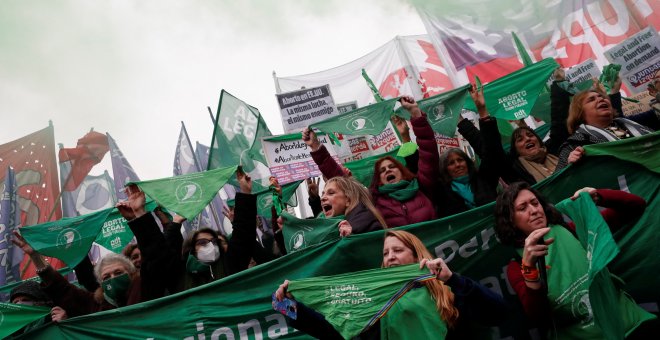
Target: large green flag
443	110
237	140
187	195
352	302
14	317
513	96
302	233
367	120
522	52
240	305
68	239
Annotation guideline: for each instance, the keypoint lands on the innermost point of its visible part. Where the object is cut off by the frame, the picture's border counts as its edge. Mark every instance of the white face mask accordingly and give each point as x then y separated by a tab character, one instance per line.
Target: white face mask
208	254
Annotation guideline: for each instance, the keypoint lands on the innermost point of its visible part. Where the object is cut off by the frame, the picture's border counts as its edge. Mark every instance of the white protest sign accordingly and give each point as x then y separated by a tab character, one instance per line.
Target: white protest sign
583	71
289	159
639	57
301	108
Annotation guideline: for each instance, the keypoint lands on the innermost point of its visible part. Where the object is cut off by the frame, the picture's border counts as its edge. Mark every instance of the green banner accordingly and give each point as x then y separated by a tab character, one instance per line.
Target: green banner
14	317
443	111
68	239
512	97
302	233
187	195
641	150
239	306
367	120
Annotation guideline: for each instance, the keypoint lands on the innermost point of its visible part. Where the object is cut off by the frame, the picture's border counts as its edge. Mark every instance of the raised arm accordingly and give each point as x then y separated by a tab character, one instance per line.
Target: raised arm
428	165
328	166
239	251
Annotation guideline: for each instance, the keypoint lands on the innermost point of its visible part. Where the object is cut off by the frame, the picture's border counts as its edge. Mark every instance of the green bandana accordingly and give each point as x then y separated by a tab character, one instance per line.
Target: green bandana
401	191
115	289
302	233
194	266
416	310
355	301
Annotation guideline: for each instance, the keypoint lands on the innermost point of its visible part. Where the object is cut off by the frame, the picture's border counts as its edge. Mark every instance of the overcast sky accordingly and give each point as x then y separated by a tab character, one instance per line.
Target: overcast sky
136	69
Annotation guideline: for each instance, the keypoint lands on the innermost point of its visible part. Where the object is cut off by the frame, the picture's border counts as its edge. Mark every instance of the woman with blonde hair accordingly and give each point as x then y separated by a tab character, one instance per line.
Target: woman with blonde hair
591	120
346	196
442	310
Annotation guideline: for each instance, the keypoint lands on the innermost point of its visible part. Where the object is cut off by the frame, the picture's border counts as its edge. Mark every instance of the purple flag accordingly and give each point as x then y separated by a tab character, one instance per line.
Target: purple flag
10	219
121	169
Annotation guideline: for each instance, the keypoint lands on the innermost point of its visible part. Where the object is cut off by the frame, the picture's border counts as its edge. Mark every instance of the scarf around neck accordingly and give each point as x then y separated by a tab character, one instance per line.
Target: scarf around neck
401	191
461	186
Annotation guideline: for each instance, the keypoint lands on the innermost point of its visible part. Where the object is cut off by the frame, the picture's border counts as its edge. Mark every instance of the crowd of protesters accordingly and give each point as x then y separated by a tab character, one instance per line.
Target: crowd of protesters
425	186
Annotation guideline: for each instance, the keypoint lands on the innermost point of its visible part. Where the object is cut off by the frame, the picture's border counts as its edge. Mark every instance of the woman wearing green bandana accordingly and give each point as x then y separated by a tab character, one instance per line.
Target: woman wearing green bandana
551	278
400	196
439	308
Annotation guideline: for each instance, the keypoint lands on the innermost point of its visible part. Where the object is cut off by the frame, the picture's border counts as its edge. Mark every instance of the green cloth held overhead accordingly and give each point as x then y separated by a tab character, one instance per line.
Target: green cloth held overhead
443	111
513	96
355	301
366	120
68	239
187	195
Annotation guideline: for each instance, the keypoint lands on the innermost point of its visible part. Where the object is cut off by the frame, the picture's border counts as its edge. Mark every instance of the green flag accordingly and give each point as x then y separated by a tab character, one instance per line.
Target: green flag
14	317
363	169
367	120
641	150
352	302
240	304
237	140
512	97
522	52
442	110
372	87
302	233
68	239
187	195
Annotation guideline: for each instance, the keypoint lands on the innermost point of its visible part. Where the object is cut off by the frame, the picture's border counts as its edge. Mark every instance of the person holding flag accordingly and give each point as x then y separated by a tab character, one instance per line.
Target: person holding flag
436	308
560	276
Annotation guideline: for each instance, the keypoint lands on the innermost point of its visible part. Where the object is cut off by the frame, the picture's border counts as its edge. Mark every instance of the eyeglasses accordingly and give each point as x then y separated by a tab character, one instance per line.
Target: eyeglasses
204	241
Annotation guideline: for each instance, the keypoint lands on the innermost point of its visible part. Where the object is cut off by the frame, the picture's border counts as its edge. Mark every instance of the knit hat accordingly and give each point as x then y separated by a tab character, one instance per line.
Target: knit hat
31	289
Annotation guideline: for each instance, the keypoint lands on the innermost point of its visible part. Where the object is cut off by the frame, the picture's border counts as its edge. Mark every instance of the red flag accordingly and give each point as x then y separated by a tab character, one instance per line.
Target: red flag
33	160
89	152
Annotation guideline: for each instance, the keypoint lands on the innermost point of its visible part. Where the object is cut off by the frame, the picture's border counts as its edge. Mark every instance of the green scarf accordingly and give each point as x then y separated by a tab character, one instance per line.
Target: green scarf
416	310
194	266
461	186
401	191
302	233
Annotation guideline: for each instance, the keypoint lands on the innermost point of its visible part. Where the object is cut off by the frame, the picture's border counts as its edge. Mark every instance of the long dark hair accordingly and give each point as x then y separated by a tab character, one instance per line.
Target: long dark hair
505	230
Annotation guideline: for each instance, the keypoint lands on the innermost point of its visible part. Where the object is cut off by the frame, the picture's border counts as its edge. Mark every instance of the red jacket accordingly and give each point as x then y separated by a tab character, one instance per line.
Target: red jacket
621	208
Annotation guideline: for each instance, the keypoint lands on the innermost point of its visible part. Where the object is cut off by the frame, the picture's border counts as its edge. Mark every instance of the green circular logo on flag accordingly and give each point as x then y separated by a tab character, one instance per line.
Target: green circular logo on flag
265	200
188	192
68	238
297	240
440	114
581	307
359	123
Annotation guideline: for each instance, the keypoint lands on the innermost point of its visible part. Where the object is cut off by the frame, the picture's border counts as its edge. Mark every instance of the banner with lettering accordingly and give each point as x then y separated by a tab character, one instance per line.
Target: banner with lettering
303	107
639	57
289	158
239	306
